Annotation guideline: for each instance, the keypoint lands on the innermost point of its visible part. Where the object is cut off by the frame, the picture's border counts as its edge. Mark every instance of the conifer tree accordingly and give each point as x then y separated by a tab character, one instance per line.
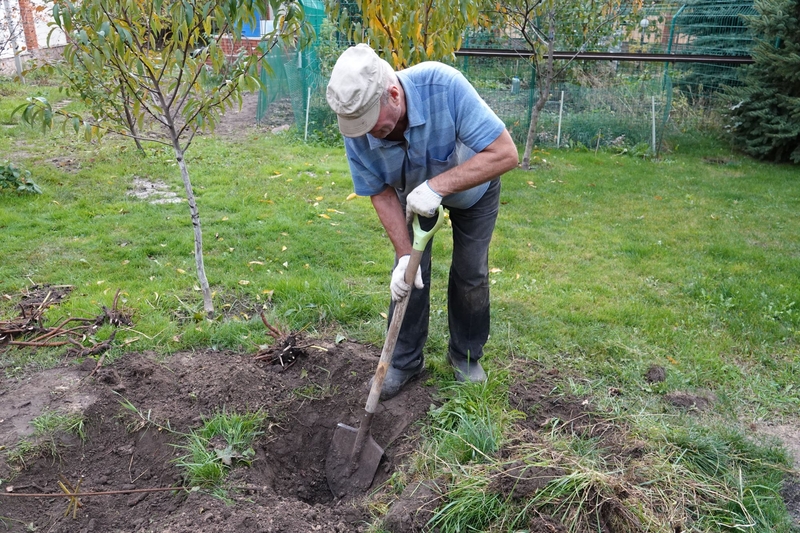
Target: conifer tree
764	113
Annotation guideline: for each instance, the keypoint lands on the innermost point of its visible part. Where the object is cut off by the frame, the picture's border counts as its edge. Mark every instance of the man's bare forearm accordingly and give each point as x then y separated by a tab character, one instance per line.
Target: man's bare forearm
496	159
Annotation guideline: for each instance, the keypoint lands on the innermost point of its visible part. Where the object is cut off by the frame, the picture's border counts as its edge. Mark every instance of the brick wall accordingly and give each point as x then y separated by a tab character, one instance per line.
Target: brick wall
232	47
26	11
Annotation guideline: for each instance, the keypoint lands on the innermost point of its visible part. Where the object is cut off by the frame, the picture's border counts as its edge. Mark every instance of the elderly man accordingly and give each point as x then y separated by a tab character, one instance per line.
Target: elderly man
416	139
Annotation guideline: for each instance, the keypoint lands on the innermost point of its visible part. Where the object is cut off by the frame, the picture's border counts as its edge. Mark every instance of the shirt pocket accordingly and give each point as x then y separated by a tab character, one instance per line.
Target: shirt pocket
443	161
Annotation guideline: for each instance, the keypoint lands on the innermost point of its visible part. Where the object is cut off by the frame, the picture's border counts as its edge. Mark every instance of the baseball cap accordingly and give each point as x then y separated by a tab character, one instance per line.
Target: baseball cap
354	91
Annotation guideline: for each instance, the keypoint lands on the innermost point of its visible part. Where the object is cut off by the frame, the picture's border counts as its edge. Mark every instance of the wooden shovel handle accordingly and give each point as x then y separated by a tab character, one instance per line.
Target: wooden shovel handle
391	335
421	239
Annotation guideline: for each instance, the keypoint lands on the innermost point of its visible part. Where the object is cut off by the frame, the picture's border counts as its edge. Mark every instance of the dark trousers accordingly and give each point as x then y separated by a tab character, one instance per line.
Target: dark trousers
467	291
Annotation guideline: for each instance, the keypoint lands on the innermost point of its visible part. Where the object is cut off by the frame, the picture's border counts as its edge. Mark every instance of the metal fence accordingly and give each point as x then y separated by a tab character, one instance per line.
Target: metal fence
594	103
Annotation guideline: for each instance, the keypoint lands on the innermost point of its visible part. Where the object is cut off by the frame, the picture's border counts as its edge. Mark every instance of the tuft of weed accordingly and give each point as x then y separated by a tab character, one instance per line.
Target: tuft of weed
223	441
48	429
468	426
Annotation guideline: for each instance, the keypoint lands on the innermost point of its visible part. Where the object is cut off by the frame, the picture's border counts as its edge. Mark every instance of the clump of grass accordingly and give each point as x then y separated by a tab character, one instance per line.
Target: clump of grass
50	423
140	420
223	441
469	425
48	428
697	480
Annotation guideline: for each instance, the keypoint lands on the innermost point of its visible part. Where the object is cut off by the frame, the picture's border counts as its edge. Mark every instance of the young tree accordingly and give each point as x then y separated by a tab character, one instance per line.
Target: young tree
573	25
156	70
407	32
764	113
10	32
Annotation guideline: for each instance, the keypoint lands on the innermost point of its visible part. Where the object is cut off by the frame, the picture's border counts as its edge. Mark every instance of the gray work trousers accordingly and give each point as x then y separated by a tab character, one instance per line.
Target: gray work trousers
467	291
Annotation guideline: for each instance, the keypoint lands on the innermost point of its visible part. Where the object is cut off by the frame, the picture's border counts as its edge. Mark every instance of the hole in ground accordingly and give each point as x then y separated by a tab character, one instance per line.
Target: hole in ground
131	448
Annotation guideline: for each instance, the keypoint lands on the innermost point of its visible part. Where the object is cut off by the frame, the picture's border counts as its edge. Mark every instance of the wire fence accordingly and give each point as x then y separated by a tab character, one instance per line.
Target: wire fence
592	103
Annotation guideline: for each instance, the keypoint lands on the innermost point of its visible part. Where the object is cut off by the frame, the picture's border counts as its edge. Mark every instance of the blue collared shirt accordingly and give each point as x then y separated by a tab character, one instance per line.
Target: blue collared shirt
448	122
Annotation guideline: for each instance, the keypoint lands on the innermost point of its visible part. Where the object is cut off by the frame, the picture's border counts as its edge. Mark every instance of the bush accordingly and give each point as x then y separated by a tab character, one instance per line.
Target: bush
12	177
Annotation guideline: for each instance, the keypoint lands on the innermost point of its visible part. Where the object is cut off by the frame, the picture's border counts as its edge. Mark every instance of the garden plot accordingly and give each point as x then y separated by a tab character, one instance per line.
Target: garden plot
138	411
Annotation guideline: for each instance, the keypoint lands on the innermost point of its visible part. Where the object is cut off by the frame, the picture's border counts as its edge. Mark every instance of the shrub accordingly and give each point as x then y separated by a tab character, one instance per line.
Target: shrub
12	177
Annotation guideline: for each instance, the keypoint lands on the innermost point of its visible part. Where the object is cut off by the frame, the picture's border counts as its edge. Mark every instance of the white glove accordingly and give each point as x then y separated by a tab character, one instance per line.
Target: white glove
423	200
399	287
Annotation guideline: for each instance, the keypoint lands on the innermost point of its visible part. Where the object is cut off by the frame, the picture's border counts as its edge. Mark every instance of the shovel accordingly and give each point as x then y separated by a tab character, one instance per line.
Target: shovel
354	455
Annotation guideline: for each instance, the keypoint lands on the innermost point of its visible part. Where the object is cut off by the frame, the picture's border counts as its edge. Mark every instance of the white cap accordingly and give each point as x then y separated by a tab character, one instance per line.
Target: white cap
354	91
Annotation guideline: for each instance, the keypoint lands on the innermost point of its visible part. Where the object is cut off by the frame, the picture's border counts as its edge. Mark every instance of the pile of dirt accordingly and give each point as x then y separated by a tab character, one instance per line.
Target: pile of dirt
284	489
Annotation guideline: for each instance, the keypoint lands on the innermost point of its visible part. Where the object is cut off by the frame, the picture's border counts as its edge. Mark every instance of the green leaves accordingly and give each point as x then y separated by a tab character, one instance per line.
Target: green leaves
158	65
12	177
409	33
37	111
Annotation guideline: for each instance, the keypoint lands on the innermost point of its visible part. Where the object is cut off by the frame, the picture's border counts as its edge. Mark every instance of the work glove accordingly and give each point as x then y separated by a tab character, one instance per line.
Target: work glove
399	287
422	200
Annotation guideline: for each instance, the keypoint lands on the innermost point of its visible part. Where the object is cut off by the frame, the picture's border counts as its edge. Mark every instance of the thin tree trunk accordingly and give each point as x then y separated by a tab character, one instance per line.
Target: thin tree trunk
129	118
544	94
208	304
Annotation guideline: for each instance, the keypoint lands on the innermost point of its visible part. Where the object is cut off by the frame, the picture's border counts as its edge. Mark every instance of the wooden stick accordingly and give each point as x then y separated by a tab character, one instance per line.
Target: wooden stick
82	494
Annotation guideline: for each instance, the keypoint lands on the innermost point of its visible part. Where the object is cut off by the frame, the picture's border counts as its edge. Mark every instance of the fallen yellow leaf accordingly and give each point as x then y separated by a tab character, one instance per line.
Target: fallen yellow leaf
244	282
495	270
319	198
323	215
180	271
351	196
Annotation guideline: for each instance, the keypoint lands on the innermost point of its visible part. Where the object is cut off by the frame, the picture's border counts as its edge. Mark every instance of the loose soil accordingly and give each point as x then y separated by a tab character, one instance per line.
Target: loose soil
284	489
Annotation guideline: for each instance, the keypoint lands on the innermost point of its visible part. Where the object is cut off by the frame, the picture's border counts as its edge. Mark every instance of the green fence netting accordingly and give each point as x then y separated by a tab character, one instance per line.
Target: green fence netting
292	74
591	103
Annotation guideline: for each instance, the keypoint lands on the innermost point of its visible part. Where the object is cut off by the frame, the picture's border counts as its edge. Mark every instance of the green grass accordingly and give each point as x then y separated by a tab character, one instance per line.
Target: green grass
223	441
602	264
48	428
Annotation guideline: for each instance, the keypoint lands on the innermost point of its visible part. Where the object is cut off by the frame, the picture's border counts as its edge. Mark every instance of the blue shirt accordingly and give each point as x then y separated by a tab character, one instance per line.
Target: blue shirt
448	122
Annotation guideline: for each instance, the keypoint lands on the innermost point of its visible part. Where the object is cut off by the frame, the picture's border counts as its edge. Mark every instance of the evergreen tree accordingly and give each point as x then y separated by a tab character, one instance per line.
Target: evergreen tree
714	27
764	113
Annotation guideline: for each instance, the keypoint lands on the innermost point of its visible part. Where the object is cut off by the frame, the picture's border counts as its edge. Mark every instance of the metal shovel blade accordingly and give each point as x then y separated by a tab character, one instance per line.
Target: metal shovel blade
348	475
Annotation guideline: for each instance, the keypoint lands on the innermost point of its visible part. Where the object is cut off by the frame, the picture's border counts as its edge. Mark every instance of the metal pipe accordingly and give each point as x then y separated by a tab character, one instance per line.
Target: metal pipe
610	56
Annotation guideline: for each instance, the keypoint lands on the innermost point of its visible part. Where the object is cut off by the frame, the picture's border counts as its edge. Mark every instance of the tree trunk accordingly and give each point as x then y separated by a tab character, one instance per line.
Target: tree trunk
208	304
544	94
129	120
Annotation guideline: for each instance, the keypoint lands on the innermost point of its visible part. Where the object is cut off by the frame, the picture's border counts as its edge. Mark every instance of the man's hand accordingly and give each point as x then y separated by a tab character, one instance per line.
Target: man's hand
423	200
399	287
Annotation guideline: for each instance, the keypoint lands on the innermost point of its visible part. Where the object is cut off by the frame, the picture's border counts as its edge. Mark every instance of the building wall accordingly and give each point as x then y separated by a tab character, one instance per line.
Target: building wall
29	20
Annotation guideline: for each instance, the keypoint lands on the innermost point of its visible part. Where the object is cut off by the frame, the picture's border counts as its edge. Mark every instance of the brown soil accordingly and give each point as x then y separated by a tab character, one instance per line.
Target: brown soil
284	489
236	122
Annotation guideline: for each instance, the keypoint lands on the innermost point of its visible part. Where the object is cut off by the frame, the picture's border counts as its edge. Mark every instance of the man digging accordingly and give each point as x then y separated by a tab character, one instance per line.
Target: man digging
417	139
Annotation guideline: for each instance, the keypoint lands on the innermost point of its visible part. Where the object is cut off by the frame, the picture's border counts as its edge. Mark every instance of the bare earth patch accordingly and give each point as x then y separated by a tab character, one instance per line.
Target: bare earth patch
155	192
283	490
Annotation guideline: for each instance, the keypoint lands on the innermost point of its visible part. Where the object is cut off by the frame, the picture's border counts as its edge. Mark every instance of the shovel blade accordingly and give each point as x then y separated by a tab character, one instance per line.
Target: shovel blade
348	475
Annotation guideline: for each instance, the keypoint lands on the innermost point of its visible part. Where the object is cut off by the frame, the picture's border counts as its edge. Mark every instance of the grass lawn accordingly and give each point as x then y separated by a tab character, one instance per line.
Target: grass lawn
603	265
